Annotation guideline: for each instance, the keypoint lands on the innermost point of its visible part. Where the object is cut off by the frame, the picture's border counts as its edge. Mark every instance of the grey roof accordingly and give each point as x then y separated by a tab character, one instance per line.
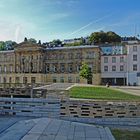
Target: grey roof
8	51
73	47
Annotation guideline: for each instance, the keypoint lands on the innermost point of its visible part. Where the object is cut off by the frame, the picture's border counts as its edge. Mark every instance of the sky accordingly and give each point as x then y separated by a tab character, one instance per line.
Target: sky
46	20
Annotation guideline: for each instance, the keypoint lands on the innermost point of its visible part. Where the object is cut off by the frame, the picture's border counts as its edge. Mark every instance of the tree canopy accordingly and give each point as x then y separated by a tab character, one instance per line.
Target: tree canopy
56	42
32	40
103	37
7	45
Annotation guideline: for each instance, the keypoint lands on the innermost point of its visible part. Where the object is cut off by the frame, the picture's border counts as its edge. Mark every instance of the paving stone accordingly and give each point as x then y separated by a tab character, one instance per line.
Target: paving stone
54	129
61	137
79	138
50	137
31	137
93	139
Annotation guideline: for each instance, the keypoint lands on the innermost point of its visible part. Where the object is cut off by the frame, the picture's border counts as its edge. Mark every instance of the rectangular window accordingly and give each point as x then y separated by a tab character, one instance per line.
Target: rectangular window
134	67
11	68
17	68
121	59
25	81
77	80
62	67
113	59
134	57
90	55
78	55
70	67
134	48
47	68
113	68
33	80
17	80
70	56
62	80
121	68
61	56
69	80
54	80
78	68
4	80
105	68
54	68
10	79
5	69
105	59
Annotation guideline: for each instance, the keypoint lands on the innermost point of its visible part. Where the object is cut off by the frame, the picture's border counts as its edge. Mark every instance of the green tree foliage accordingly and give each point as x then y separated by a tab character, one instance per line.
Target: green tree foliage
2	46
56	42
103	37
32	40
86	73
7	45
113	37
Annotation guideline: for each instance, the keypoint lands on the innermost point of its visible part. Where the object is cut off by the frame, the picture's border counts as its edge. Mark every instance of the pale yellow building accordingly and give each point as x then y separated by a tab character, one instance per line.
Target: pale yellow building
33	63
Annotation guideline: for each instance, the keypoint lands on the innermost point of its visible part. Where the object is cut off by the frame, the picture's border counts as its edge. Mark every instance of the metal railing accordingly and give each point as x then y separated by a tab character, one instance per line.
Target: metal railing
30	107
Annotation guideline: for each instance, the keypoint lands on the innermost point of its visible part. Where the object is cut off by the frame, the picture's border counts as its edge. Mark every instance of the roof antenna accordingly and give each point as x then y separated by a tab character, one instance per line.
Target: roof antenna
135	31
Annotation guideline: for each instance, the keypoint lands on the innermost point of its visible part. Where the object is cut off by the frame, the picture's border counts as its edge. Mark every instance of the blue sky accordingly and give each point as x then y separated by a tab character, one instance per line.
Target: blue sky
64	19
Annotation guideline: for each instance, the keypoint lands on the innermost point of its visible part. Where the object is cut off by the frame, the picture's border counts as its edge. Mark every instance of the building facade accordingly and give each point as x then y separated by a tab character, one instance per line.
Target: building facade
133	64
113	69
113	65
33	63
63	64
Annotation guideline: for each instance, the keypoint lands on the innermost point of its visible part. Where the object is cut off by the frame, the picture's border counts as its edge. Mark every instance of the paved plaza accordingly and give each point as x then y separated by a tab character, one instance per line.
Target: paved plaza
50	129
134	90
57	86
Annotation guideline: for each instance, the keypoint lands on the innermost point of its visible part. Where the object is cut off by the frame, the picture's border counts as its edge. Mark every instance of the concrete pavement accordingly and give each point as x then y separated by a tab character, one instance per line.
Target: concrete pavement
53	129
134	90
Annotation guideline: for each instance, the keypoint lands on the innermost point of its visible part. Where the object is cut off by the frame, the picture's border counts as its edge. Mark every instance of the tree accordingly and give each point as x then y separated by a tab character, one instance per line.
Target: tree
103	37
113	37
32	40
25	39
2	46
56	42
9	45
86	73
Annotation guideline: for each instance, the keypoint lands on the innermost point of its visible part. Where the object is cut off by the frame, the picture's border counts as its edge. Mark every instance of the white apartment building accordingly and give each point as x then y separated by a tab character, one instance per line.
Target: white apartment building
133	64
113	69
113	65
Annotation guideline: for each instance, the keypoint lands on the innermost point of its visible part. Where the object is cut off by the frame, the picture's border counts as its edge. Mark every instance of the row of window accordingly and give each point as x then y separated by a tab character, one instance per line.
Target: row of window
30	58
106	68
17	80
69	80
121	59
7	58
54	68
6	68
113	59
89	55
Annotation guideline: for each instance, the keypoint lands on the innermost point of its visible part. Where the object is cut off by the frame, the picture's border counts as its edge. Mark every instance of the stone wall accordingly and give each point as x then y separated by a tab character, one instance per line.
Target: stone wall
69	109
99	109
